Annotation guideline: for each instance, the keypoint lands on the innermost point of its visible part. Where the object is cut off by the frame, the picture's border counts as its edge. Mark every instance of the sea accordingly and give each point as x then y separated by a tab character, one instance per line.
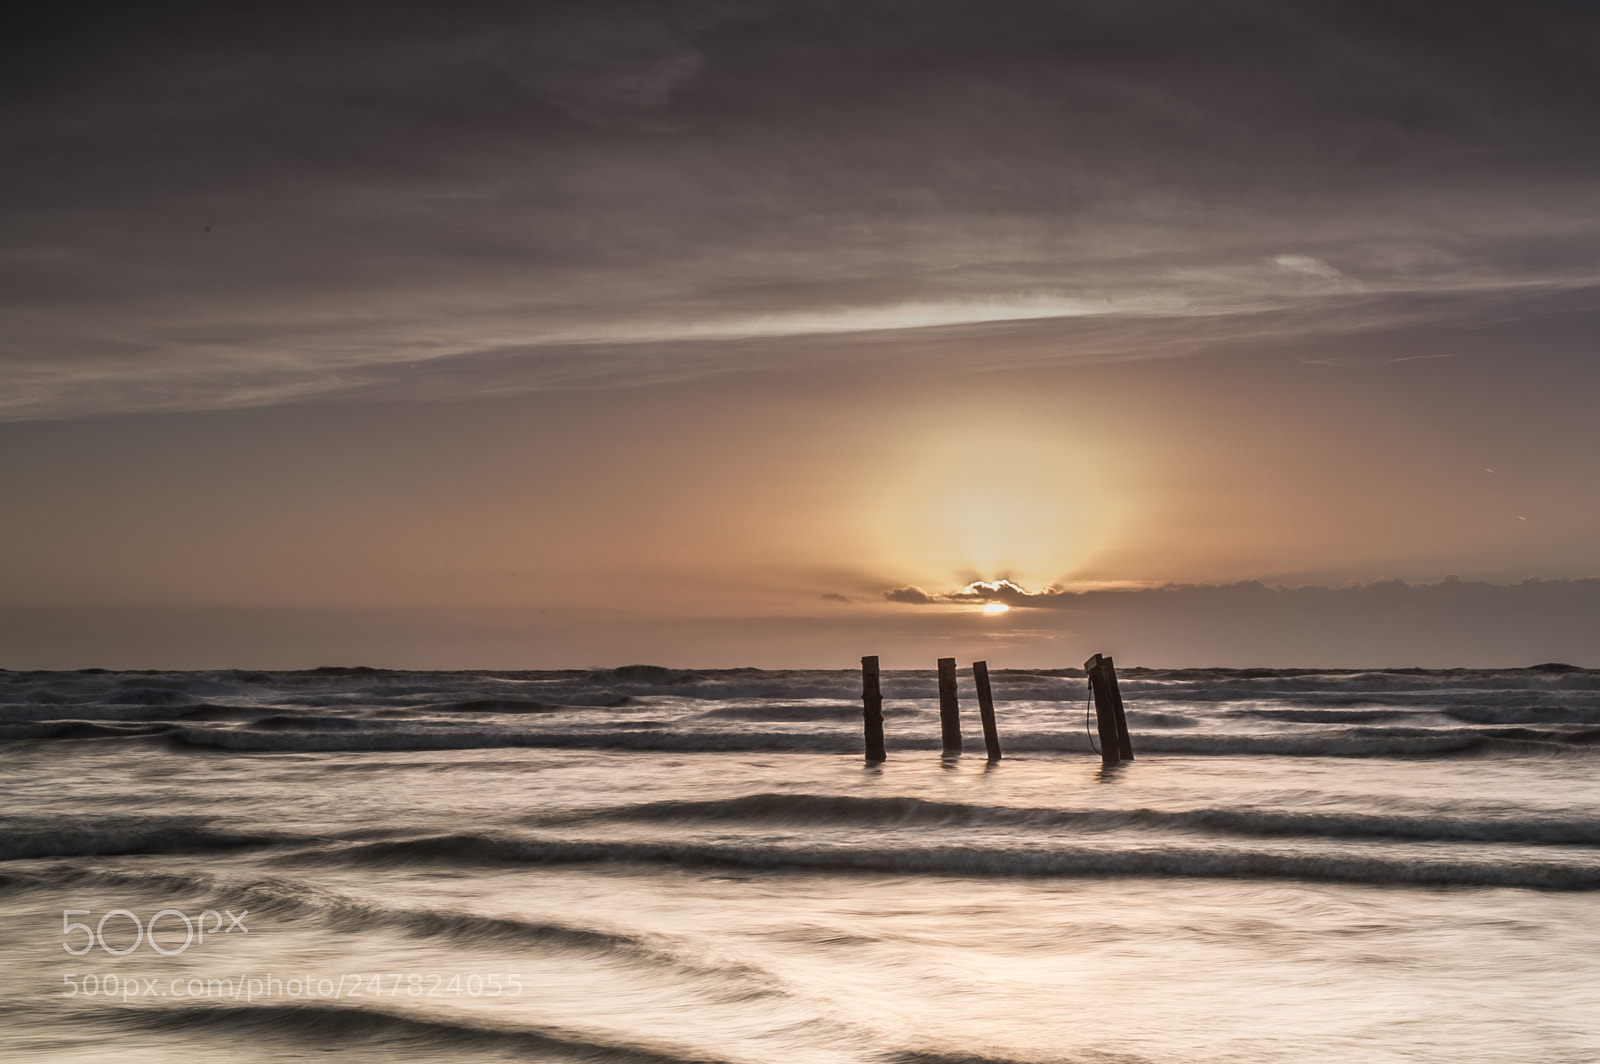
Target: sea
655	865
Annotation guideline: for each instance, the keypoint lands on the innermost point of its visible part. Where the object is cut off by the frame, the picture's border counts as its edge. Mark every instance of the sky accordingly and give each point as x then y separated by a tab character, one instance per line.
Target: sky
780	332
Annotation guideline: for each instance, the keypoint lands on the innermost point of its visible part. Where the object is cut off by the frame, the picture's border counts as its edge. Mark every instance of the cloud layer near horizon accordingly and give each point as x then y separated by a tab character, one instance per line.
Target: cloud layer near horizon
209	206
1535	595
1388	624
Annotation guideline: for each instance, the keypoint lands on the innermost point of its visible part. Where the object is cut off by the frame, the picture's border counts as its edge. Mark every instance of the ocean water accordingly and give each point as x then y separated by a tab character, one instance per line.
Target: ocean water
657	865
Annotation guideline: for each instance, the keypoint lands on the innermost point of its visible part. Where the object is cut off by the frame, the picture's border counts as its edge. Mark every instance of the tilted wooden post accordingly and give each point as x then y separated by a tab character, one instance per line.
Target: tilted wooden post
1115	744
991	736
1105	717
949	713
1124	742
872	709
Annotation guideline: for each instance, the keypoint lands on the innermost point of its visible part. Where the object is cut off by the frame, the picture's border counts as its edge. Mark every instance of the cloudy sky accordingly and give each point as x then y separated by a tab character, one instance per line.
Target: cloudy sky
720	333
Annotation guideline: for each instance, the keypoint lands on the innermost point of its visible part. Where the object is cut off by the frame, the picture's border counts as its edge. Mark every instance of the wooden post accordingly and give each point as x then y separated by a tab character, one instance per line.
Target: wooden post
949	712
872	709
1124	743
1105	716
991	737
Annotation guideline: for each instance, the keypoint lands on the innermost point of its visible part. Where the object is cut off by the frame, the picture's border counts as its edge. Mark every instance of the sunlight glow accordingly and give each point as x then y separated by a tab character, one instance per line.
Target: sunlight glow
995	607
964	496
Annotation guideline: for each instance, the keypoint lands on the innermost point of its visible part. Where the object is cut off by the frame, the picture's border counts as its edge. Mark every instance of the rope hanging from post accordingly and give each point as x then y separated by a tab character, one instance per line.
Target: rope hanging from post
1088	705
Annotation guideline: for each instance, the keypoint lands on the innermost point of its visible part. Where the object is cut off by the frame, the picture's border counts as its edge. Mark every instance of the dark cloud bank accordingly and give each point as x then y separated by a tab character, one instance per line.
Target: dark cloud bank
1386	623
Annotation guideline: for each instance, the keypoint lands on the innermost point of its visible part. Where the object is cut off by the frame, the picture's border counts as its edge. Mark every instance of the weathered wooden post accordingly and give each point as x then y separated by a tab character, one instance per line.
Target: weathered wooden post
1115	744
872	709
991	736
1124	741
949	713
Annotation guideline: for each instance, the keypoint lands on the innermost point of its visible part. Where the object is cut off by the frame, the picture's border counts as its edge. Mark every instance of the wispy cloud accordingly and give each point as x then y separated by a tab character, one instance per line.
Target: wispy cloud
1372	361
209	213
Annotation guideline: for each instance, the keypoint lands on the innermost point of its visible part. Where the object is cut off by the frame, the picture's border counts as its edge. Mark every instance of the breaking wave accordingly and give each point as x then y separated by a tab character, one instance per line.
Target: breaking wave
1165	860
821	811
353	1027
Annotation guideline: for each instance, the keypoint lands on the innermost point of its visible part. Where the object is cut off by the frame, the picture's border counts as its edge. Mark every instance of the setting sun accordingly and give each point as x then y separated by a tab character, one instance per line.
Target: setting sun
995	607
